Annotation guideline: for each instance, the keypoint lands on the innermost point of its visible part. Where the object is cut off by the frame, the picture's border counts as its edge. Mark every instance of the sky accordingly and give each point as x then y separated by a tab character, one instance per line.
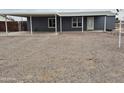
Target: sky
64	4
54	4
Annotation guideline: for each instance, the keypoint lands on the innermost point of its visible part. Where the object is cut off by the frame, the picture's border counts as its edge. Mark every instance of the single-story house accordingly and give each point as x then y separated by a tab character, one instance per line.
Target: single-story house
60	21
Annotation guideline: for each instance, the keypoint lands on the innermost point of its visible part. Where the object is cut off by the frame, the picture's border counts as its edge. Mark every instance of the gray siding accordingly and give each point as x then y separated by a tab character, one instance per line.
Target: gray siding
85	23
110	24
41	23
99	22
28	23
67	25
58	24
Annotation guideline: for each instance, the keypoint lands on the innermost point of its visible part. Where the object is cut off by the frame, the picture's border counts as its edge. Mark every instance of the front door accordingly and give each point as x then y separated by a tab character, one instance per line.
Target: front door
90	23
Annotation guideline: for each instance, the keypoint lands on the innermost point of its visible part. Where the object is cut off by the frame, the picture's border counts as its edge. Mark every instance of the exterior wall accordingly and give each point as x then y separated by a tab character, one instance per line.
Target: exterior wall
99	22
28	23
110	24
41	23
85	23
67	24
58	24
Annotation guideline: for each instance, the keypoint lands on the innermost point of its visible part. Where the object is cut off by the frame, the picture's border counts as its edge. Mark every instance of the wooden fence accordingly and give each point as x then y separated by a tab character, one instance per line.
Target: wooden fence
13	26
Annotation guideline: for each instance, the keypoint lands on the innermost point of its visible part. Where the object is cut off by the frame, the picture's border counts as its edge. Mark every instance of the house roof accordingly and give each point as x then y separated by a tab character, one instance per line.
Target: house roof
92	13
60	12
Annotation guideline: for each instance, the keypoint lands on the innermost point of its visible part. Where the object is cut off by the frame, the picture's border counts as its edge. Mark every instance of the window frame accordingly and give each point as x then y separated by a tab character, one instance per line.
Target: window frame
49	23
77	21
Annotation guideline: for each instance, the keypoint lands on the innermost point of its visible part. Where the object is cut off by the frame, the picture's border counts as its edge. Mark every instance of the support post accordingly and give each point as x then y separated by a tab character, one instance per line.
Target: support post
82	24
31	24
105	24
120	35
60	24
22	28
19	26
6	26
56	24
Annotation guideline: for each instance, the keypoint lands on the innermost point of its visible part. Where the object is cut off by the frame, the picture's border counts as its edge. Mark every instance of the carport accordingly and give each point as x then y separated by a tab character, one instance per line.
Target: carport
27	13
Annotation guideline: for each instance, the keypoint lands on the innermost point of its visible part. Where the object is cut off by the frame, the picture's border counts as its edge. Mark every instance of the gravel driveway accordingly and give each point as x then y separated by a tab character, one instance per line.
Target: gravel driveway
68	57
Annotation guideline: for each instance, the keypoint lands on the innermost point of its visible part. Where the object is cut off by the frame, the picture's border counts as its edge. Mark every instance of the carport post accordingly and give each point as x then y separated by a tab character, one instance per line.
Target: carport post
120	35
19	26
56	24
22	28
105	24
31	24
6	25
60	24
82	24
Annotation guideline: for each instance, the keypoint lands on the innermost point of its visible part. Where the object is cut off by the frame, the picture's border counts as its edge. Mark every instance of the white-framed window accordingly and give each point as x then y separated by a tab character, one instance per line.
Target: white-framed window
51	22
76	22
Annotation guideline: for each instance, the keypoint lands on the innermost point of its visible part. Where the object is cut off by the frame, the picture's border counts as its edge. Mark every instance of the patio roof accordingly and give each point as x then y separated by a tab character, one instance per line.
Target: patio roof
60	12
27	12
94	13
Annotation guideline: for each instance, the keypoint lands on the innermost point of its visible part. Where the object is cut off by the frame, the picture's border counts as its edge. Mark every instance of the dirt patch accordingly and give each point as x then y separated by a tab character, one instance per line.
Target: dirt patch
80	57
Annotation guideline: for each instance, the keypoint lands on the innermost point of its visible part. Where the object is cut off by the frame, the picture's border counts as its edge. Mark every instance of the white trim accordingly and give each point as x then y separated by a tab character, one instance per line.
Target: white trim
87	13
76	23
22	24
77	27
31	24
48	22
60	24
6	26
56	24
64	12
82	24
19	25
120	35
105	24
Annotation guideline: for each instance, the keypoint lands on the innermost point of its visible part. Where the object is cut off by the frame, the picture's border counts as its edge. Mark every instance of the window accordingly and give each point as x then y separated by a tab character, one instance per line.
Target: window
51	22
76	22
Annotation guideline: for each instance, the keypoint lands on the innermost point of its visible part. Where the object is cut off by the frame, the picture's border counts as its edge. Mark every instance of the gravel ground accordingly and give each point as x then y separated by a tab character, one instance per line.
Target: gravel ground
68	57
